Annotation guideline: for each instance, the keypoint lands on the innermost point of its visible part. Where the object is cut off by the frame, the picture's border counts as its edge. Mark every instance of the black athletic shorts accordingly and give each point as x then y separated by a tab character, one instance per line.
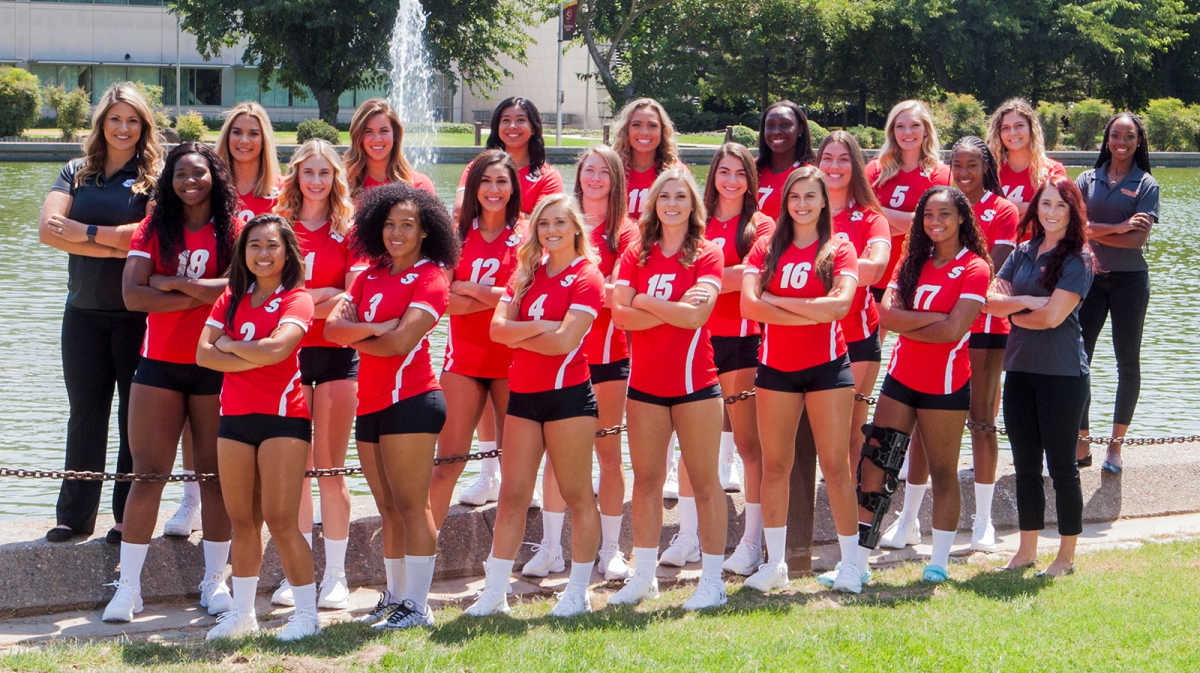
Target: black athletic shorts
554	405
254	429
322	364
866	350
984	340
187	379
877	292
702	394
827	376
733	353
959	400
419	414
617	370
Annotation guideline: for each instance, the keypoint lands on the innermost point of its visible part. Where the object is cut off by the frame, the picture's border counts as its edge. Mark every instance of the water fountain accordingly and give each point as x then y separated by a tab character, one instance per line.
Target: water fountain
412	83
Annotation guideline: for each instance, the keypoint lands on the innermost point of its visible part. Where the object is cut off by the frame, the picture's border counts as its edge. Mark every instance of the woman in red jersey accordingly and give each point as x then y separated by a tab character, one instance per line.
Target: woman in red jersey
253	335
476	368
667	286
644	138
174	271
800	282
936	294
375	156
316	200
548	308
1015	137
784	144
387	315
247	145
516	129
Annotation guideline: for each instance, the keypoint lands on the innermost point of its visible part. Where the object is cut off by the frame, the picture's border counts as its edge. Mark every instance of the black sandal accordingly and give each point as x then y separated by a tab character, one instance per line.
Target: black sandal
1086	461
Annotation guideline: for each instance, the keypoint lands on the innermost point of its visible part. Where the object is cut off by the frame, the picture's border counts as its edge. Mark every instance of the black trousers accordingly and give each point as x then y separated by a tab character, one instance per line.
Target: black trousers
1124	294
1041	413
100	351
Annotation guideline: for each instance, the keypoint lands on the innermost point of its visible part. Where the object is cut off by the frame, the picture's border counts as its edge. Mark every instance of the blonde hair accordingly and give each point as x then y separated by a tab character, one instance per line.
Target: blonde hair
652	228
530	254
268	160
891	157
341	208
1039	164
618	204
398	168
149	151
667	153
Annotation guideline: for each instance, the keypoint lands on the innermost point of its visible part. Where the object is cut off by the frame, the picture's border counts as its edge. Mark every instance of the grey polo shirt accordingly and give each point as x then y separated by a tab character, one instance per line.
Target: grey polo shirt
1110	204
1058	351
95	282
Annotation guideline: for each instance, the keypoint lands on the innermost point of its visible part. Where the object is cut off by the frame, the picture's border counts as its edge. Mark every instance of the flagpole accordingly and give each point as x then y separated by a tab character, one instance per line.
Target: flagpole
558	95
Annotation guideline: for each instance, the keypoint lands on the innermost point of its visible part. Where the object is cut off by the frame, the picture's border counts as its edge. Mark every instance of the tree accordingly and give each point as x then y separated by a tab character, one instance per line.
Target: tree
333	46
71	109
19	100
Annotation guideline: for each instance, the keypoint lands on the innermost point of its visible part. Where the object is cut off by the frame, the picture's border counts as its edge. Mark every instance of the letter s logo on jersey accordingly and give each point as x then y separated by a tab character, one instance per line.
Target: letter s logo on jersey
842	235
988	215
856	216
273	305
566	282
410	278
956	271
336	236
513	241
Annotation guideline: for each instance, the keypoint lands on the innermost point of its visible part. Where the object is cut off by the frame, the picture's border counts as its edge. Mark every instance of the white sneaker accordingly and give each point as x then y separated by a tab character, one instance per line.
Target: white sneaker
407	616
671	485
983	538
613	564
596	485
283	595
635	589
301	624
489	603
233	625
902	533
184	521
684	549
828	579
546	560
536	501
770	576
572	603
485	489
383	609
848	579
710	593
214	594
730	481
335	594
125	603
744	560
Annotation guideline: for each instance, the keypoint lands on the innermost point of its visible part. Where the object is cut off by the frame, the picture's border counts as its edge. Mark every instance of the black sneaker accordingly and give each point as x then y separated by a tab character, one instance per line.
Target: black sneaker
404	616
383	609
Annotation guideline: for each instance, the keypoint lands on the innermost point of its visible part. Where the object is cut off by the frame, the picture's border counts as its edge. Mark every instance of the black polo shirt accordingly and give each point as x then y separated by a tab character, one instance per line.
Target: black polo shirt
1110	204
95	282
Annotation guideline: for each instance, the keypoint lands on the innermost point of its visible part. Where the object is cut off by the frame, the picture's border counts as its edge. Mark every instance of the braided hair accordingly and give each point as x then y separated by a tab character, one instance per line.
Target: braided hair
991	172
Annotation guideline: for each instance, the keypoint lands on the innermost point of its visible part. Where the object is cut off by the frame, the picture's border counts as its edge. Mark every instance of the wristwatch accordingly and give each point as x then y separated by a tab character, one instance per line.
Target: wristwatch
91	231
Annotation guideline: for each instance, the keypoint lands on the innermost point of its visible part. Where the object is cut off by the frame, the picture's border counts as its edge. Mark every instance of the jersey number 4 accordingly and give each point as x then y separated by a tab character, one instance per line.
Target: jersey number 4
537	308
660	286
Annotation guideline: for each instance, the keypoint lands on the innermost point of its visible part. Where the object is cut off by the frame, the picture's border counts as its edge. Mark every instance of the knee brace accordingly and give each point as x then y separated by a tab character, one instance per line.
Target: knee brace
889	457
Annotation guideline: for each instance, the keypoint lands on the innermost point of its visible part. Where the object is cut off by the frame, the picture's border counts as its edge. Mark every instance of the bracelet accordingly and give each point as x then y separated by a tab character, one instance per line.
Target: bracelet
91	233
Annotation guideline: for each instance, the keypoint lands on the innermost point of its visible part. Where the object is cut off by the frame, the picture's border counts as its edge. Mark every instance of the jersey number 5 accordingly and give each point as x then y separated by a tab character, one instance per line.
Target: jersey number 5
660	285
898	196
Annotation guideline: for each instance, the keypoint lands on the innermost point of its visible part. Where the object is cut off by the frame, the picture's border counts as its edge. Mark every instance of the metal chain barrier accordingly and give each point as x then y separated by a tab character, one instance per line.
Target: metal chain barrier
744	395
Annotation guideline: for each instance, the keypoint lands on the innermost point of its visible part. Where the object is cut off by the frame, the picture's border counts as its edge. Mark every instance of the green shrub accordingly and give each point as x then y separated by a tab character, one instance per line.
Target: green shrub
1050	115
442	127
958	116
20	100
1170	126
317	128
190	127
153	94
817	132
869	138
1087	121
745	135
71	109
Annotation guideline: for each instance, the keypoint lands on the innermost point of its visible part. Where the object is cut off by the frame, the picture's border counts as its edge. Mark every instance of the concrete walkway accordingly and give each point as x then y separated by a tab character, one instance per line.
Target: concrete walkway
169	622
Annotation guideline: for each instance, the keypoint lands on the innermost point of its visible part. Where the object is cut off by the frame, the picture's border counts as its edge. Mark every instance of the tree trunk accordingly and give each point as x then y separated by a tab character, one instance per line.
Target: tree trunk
327	104
862	104
939	69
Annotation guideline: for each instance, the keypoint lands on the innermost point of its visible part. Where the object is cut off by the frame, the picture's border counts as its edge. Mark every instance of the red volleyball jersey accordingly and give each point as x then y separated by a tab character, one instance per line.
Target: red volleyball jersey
419	180
381	296
250	205
670	361
1019	187
172	336
273	389
791	348
549	181
940	368
637	185
902	193
579	287
997	219
470	350
726	319
861	227
770	190
604	342
327	261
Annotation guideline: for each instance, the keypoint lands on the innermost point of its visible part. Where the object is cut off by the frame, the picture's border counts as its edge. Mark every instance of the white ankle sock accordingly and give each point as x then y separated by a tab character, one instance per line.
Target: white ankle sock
610	530
418	572
728	448
244	589
983	503
689	523
191	491
335	554
754	524
393	568
497	574
133	557
552	525
776	542
489	466
913	495
645	561
710	566
580	574
308	539
216	556
849	546
306	597
942	539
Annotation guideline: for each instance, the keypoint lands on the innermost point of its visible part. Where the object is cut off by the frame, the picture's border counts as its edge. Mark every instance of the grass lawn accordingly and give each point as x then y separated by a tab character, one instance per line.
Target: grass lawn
1131	610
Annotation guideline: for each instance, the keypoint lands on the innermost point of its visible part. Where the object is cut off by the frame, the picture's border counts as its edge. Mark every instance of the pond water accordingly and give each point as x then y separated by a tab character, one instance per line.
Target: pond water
33	402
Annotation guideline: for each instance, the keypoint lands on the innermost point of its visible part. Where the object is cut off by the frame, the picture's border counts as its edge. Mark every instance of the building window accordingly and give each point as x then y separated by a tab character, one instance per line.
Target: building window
201	86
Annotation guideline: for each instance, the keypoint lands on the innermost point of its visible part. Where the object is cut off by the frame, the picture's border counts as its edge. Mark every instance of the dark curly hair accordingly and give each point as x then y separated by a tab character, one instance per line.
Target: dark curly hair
1074	240
918	247
441	244
804	149
1141	156
537	144
991	174
166	219
241	277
